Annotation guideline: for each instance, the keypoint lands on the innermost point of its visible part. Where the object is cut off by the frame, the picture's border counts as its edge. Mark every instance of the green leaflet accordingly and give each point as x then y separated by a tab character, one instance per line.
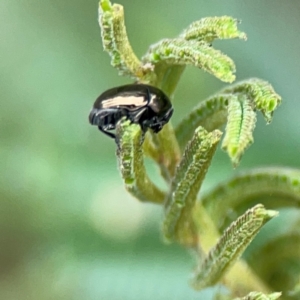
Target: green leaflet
274	187
211	28
261	93
207	30
240	125
199	54
230	246
115	42
212	113
186	50
171	55
130	156
178	224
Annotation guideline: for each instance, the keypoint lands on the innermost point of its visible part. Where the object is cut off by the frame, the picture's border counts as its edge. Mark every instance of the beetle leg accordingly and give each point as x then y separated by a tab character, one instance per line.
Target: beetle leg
113	136
144	127
136	116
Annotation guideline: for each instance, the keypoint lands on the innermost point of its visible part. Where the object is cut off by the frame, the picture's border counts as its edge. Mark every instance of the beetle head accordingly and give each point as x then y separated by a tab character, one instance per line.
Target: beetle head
92	116
157	123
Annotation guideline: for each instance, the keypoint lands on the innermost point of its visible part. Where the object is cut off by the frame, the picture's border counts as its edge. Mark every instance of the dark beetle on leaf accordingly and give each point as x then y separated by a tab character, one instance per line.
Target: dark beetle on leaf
140	103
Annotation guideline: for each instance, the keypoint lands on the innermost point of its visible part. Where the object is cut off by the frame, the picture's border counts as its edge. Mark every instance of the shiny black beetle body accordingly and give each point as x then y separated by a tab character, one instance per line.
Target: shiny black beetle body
140	103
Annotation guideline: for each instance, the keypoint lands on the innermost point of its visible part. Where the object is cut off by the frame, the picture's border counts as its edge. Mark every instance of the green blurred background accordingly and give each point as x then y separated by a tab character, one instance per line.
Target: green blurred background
68	229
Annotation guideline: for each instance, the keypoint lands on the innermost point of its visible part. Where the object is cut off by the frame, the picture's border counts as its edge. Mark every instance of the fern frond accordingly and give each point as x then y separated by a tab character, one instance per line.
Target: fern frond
199	54
231	245
274	187
131	164
240	125
211	28
178	224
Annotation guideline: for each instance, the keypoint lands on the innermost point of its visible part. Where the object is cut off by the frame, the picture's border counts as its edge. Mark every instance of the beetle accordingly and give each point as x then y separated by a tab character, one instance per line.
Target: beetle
142	104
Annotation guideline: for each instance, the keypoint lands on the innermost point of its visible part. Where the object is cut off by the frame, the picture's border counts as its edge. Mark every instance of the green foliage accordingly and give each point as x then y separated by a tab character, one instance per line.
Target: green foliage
211	28
240	125
236	107
261	93
222	224
260	296
131	164
186	184
231	245
199	54
274	187
115	41
210	114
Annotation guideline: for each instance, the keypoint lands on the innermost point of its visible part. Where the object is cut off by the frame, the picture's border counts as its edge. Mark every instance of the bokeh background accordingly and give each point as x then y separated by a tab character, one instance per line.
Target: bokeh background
68	229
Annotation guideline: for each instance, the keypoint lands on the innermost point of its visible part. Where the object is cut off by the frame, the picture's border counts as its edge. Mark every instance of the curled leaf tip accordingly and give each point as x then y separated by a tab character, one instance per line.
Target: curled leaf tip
115	41
104	5
270	214
230	247
200	54
261	93
130	156
211	28
241	122
178	223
